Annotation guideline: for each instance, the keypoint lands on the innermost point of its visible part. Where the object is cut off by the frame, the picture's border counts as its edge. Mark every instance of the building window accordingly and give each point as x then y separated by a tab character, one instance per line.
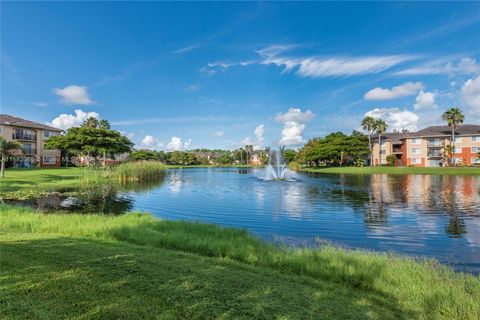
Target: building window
383	151
458	150
416	141
48	134
458	139
384	161
458	160
476	139
475	149
416	161
475	160
416	151
27	148
49	160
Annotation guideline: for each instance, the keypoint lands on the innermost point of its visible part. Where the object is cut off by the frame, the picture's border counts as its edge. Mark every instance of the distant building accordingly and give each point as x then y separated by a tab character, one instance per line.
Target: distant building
32	136
426	148
255	159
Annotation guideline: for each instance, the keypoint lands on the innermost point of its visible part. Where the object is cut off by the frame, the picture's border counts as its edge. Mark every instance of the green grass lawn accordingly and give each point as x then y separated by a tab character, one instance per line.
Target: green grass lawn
397	170
135	266
41	178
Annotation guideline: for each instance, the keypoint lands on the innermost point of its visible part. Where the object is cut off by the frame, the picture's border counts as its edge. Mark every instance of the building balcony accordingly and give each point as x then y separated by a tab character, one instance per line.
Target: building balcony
434	155
435	143
22	136
397	150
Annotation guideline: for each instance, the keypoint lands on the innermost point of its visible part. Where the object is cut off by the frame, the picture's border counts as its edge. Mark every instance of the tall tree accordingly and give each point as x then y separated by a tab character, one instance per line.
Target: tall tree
380	128
368	124
7	148
104	124
454	117
91	139
91	122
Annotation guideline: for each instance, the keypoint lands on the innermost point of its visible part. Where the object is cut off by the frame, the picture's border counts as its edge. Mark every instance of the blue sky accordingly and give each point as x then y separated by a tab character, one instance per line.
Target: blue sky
218	75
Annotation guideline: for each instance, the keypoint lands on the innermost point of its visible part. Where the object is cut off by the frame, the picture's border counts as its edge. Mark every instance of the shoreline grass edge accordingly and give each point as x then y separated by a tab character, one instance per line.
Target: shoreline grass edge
424	287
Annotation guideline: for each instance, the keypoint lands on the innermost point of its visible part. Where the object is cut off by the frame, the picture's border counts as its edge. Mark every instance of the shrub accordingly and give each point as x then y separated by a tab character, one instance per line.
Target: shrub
294	165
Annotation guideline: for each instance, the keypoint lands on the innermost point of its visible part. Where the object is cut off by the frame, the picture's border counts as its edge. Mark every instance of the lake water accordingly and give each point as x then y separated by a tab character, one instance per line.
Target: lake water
418	215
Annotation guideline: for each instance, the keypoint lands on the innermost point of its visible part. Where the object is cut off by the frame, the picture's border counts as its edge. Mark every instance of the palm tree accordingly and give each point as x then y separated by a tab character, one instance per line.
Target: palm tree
249	149
453	117
368	123
6	149
104	124
380	128
91	122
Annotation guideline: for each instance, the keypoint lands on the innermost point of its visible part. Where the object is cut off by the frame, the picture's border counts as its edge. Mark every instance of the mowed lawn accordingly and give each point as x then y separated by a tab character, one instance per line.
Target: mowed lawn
135	266
41	178
397	170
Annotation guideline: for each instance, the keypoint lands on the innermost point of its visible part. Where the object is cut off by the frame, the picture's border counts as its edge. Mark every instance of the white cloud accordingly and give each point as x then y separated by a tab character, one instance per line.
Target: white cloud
425	100
443	66
395	118
470	95
403	90
315	66
469	66
129	135
74	95
221	66
293	125
65	121
248	141
150	142
176	144
259	138
219	133
186	49
259	133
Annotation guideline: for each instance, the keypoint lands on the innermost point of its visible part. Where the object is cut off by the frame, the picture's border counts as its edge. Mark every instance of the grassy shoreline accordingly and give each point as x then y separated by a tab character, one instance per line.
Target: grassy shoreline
357	284
51	179
395	170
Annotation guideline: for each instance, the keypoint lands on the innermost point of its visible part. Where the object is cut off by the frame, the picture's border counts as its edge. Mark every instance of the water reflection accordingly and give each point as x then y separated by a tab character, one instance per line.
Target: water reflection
93	199
434	216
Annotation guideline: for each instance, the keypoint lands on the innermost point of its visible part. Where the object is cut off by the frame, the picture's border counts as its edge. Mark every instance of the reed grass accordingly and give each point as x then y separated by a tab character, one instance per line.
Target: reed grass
422	288
137	170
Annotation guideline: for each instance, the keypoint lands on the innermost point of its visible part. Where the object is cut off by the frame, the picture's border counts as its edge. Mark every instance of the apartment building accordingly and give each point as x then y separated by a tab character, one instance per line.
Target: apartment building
426	148
32	136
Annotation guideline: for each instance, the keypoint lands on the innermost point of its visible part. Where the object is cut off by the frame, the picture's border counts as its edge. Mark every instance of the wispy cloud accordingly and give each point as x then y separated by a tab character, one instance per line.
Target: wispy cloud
186	49
446	66
314	66
36	103
331	66
222	66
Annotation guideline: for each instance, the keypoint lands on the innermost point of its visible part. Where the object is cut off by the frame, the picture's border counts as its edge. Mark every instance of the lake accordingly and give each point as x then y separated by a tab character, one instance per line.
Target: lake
417	215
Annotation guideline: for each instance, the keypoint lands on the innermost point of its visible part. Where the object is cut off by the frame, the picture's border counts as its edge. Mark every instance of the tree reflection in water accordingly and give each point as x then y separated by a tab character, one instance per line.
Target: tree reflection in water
112	198
378	195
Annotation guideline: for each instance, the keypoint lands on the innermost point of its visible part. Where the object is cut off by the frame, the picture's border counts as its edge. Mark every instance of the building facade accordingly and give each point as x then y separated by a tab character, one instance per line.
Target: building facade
427	147
32	137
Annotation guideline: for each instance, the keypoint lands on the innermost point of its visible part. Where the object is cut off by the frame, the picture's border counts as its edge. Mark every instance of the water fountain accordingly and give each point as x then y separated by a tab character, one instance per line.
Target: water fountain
277	168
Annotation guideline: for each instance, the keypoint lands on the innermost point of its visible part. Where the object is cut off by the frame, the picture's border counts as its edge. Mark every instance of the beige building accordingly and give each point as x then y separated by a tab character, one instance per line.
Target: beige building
32	136
426	148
